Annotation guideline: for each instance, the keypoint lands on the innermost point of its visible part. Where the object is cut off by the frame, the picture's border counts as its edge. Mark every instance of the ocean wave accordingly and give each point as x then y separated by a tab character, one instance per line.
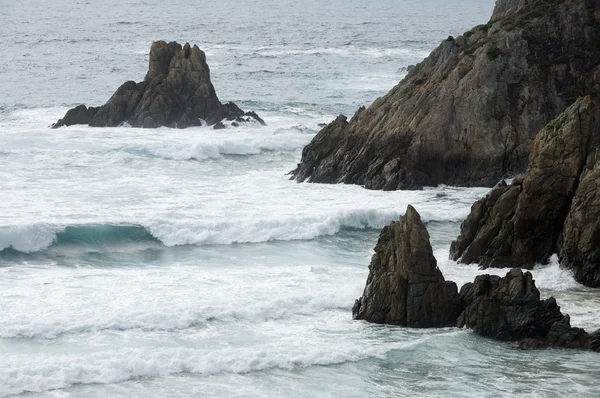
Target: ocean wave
61	371
39	237
178	232
282	140
169	319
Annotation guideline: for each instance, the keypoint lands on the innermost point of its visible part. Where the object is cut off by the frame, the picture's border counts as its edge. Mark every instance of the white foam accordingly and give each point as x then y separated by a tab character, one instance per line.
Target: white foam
281	140
59	371
27	238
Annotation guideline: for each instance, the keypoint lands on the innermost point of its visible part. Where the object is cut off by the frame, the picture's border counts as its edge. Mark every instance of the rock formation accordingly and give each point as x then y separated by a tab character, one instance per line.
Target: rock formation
510	309
554	207
466	114
176	92
404	286
79	115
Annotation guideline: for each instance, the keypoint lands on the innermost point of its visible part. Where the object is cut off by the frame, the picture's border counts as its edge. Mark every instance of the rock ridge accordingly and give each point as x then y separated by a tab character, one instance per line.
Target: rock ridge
466	115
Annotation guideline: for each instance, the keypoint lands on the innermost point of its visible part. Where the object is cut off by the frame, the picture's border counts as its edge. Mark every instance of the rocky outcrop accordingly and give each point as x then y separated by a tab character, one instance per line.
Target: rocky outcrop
465	116
176	92
579	242
553	208
510	309
404	286
79	115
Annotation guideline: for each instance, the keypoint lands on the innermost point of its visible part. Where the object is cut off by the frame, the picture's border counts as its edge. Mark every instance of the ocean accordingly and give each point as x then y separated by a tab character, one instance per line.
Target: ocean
178	263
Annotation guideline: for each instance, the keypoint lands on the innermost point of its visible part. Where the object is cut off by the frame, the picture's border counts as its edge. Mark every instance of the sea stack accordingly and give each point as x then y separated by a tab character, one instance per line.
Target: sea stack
176	92
466	115
553	208
404	286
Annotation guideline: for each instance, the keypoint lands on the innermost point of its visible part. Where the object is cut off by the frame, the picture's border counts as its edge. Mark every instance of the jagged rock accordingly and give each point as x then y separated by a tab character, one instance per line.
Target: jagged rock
404	286
79	115
553	208
579	241
176	92
510	309
466	114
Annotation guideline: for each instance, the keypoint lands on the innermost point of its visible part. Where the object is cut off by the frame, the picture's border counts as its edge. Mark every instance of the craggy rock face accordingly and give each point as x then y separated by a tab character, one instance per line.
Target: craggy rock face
404	286
176	92
510	309
466	115
505	8
553	208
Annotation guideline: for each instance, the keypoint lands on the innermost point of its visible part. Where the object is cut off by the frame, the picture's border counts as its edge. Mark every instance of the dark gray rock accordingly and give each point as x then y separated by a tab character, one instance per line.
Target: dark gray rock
79	115
176	92
404	286
466	115
510	309
522	224
579	241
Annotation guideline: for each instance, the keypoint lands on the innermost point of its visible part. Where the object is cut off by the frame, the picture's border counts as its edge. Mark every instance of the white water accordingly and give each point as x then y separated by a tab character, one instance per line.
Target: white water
184	262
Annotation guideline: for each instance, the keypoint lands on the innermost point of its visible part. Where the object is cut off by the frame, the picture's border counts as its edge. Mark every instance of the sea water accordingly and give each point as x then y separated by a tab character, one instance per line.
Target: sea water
171	262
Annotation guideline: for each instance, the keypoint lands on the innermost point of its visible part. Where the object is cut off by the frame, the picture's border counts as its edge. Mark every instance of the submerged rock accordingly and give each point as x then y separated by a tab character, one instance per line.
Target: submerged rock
466	114
404	286
553	208
176	92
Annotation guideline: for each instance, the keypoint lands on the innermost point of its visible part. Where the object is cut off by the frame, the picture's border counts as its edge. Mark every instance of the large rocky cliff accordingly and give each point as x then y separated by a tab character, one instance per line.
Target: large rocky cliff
553	208
466	115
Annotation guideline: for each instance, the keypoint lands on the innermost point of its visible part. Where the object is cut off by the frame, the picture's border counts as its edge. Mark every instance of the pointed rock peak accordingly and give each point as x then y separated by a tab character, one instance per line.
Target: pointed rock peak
161	54
505	8
412	216
404	286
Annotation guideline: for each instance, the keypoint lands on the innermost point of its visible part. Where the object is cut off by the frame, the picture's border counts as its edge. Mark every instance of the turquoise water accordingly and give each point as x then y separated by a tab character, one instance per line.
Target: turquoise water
184	262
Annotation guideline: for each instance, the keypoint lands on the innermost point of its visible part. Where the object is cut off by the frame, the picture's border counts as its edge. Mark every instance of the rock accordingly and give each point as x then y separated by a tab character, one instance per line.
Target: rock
520	224
510	309
176	92
254	116
404	286
79	115
505	8
219	126
466	115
